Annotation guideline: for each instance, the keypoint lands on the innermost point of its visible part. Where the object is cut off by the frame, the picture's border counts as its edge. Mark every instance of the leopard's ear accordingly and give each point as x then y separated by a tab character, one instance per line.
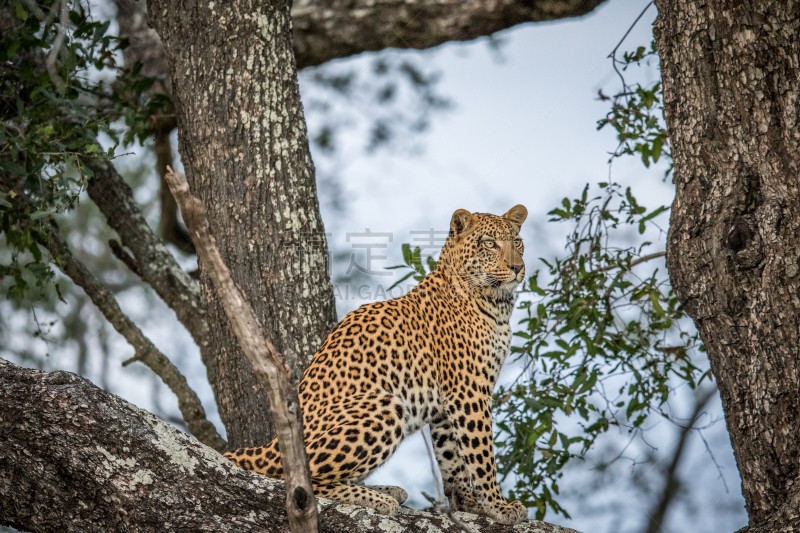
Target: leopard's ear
516	215
462	222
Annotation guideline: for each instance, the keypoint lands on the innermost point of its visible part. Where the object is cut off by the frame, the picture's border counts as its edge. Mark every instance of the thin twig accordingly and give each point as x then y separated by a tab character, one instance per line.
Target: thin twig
714	460
671	480
39	330
270	367
121	254
635	262
613	54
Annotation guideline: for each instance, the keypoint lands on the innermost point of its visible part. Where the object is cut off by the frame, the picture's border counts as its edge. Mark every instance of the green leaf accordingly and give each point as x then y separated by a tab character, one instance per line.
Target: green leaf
534	404
654	298
406	253
658	145
654	213
20	12
35	251
431	263
534	435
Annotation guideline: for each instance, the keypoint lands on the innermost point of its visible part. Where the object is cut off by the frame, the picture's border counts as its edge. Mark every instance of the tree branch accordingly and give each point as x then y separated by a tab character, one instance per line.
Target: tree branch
270	367
188	402
635	262
672	481
76	458
159	269
121	254
330	29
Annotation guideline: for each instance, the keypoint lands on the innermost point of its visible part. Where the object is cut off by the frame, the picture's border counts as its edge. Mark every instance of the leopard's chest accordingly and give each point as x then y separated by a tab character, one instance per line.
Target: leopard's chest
475	351
497	350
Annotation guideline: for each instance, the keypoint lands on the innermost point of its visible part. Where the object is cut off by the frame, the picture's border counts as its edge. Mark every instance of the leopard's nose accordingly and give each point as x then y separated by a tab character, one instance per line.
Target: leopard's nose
517	268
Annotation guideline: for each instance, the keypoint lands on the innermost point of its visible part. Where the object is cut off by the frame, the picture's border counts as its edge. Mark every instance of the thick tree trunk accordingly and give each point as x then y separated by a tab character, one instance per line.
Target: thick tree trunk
730	72
244	147
76	458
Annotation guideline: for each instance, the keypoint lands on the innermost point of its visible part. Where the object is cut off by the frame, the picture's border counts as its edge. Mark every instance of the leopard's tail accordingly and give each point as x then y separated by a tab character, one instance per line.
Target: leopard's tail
263	459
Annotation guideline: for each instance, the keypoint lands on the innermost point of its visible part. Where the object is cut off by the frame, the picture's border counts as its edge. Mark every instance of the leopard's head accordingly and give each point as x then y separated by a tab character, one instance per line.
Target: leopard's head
484	252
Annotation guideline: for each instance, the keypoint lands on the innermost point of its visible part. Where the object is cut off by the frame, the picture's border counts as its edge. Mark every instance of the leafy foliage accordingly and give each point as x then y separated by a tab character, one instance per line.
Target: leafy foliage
635	113
413	261
55	103
599	345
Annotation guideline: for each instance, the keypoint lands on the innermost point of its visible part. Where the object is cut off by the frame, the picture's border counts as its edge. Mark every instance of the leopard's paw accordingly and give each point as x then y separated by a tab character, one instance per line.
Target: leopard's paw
465	502
509	513
395	492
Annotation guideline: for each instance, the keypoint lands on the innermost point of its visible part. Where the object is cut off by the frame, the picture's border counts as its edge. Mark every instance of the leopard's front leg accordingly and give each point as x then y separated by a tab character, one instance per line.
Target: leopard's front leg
472	429
456	478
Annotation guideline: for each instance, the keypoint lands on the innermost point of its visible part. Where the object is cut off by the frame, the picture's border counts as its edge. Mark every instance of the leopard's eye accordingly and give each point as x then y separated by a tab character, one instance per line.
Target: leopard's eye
517	241
488	244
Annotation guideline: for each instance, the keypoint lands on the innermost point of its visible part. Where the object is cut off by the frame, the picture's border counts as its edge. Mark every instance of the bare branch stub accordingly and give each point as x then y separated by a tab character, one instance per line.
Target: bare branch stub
269	366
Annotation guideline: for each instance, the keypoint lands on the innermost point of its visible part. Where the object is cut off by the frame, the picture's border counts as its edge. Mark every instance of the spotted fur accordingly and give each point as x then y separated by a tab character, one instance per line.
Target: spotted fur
432	357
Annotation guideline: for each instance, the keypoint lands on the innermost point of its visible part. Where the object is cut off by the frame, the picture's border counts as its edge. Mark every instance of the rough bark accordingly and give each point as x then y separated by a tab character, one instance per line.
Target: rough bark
330	29
730	72
244	146
76	458
271	368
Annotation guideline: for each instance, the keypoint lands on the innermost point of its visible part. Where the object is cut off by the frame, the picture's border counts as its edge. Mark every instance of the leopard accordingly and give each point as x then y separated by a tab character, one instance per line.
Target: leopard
431	356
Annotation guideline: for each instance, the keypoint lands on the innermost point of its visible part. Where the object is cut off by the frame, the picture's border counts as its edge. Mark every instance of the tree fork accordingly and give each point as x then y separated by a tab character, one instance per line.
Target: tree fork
145	351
